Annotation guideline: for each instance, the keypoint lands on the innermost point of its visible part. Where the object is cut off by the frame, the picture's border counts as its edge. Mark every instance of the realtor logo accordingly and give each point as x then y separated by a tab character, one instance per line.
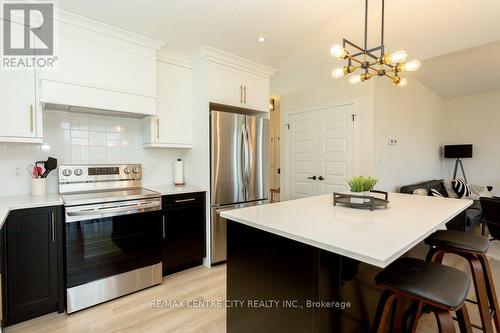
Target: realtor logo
28	35
28	29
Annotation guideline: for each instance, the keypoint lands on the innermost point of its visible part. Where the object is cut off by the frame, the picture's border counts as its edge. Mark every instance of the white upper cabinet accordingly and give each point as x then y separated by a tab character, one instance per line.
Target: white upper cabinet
236	81
20	121
255	92
172	127
225	85
101	67
18	108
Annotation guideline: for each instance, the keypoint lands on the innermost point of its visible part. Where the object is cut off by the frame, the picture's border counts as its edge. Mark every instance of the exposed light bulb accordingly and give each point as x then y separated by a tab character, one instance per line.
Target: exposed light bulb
411	66
354	79
338	51
398	57
261	39
338	73
402	82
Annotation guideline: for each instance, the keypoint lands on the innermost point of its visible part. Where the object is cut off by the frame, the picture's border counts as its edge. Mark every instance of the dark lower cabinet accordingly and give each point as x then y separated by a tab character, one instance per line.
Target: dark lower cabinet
32	267
183	231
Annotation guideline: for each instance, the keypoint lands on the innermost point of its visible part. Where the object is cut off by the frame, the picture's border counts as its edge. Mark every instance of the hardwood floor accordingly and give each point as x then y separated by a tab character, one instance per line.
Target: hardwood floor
135	313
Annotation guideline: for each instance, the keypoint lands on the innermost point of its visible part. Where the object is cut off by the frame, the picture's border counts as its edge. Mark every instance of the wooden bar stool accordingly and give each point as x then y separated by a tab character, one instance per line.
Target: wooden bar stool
473	248
443	289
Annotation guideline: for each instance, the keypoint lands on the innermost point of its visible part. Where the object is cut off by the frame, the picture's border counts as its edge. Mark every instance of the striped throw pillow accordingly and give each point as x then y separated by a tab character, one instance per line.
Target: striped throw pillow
461	188
436	193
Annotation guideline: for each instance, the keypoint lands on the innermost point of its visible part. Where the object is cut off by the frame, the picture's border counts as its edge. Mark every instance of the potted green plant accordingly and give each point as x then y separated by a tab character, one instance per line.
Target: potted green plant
361	185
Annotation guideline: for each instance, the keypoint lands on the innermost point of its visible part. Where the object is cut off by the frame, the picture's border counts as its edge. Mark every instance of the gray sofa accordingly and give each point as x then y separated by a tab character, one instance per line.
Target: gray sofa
465	221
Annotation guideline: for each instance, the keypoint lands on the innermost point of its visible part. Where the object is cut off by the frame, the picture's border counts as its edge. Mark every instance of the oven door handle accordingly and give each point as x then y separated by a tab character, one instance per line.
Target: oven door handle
126	210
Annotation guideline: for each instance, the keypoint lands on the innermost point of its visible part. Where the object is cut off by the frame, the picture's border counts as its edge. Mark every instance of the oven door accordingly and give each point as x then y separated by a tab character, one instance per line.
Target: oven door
99	247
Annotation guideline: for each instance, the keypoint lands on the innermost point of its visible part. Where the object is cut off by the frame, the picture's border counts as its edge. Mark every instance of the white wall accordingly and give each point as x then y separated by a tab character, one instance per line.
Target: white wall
476	119
75	138
414	115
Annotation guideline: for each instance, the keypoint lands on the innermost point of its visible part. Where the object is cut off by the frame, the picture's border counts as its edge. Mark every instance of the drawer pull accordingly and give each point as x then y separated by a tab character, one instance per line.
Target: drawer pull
185	200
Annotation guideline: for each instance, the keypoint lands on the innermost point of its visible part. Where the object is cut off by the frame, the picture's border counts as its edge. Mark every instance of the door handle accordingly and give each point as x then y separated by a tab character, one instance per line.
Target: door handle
31	118
185	200
321	178
53	227
245	94
158	128
313	177
241	94
164	228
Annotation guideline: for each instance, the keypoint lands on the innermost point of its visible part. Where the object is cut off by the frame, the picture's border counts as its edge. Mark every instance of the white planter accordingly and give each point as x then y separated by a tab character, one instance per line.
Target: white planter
359	201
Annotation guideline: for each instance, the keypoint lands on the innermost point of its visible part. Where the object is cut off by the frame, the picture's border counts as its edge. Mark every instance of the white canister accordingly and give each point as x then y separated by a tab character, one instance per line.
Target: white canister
38	186
179	172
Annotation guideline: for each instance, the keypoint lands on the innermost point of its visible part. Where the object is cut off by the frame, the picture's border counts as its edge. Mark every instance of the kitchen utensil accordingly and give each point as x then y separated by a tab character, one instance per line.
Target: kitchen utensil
49	165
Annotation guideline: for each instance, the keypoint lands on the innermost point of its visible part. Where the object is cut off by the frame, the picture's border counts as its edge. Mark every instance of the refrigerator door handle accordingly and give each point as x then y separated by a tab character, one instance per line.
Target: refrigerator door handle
247	162
244	159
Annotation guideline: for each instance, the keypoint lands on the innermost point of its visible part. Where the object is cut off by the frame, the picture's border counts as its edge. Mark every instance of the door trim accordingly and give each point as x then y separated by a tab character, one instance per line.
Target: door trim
285	151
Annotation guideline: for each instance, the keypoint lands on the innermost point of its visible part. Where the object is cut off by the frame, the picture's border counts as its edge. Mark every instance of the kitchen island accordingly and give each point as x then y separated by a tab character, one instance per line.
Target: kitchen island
307	266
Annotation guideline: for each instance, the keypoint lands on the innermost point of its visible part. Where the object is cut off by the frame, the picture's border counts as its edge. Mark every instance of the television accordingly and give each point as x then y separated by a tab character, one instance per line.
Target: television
458	151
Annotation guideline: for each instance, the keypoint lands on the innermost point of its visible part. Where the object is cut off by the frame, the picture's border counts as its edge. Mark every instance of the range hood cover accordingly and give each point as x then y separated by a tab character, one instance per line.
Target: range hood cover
87	110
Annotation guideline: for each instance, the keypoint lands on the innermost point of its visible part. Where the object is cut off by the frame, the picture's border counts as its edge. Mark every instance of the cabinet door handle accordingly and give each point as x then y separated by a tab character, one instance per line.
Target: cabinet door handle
53	227
313	177
31	118
185	200
245	94
158	128
241	94
164	228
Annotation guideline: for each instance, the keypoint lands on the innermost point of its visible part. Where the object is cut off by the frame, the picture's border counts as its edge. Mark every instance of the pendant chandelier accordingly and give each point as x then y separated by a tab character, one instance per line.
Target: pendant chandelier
372	62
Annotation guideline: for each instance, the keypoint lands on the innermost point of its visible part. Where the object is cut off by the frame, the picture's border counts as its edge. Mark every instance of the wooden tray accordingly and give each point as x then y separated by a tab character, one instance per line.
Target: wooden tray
370	202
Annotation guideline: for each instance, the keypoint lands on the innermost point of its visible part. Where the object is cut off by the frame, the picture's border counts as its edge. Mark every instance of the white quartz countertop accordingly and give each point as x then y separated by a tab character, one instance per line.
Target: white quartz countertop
172	189
375	237
11	203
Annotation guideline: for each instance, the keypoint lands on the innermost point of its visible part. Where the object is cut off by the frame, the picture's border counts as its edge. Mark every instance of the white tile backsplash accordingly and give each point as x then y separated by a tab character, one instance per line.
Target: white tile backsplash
75	138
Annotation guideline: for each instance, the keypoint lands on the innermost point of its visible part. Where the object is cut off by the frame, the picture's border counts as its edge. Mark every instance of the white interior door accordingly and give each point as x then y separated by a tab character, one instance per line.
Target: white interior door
321	151
302	156
335	159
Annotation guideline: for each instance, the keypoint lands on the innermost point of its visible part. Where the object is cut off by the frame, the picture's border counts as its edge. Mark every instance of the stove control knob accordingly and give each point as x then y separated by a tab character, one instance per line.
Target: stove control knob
78	172
126	170
67	172
136	170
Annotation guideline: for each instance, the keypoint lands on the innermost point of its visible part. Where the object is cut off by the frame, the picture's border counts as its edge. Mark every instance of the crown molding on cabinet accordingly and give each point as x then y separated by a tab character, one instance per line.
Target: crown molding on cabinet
174	58
224	58
106	29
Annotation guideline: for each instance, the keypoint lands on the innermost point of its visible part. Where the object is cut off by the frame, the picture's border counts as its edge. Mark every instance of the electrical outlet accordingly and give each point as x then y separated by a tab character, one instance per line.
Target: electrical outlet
18	172
392	141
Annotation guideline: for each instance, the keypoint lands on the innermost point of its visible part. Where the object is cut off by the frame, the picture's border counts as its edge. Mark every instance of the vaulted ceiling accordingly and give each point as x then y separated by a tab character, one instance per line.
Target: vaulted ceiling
300	32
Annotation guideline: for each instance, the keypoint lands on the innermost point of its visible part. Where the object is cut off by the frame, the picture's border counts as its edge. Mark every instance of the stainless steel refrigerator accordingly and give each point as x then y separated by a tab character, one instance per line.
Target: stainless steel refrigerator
239	151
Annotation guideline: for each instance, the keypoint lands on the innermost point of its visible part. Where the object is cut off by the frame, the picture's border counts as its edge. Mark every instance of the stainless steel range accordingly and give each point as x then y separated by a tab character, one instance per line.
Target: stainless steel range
114	229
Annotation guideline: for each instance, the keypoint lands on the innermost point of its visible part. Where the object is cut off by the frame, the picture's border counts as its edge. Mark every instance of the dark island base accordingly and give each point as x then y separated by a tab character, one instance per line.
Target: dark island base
273	283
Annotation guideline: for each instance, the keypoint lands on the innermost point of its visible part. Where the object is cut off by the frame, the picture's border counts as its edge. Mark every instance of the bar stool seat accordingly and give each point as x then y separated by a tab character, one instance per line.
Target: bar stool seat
443	289
473	249
458	240
437	284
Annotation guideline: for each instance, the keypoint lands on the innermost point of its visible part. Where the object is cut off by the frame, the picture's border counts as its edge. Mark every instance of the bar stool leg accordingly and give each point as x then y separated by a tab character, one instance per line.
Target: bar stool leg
490	289
481	295
399	317
384	310
464	320
415	318
435	255
445	321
